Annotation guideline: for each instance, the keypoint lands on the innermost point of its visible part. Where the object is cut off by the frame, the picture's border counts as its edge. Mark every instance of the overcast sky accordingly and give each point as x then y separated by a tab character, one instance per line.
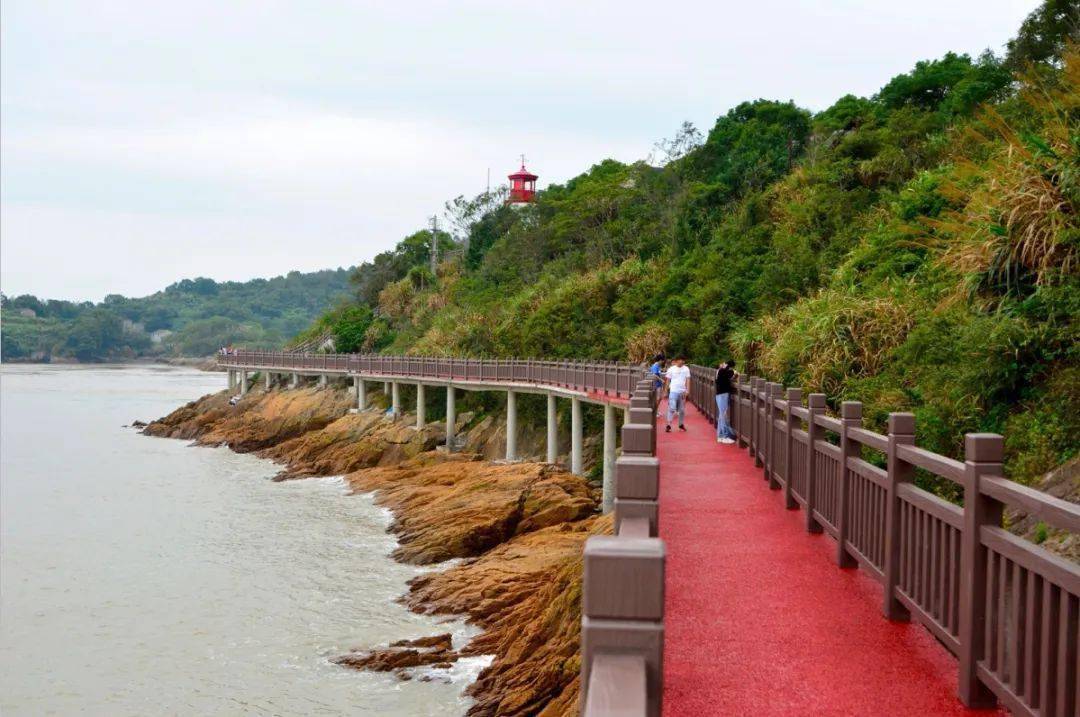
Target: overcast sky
145	141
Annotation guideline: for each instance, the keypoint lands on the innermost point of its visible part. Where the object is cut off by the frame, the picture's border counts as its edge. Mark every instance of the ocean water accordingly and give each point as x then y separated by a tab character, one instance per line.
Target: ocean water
143	576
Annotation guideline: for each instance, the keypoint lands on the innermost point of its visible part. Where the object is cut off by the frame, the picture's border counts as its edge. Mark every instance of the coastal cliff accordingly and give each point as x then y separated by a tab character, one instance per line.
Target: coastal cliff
516	532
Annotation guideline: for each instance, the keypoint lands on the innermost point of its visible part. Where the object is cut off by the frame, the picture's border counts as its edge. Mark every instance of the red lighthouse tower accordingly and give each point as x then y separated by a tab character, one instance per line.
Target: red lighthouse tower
522	185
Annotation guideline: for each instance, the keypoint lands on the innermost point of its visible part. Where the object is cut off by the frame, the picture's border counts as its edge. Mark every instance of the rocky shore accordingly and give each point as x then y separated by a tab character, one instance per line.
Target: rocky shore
514	533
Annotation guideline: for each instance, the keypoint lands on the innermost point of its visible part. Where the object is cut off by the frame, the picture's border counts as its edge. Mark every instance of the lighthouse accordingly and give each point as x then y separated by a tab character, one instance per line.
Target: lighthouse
522	185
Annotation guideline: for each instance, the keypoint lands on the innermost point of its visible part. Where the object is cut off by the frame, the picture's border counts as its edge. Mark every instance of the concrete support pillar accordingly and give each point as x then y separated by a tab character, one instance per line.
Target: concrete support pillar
295	381
243	383
552	430
322	380
386	388
511	426
232	379
451	418
361	394
395	400
608	496
268	379
421	407
576	460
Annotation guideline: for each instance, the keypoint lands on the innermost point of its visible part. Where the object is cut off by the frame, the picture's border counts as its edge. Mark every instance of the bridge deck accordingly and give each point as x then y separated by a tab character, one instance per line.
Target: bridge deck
759	620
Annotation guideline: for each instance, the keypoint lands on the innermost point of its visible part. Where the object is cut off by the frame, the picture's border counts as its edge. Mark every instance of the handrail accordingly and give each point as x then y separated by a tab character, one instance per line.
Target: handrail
604	378
993	598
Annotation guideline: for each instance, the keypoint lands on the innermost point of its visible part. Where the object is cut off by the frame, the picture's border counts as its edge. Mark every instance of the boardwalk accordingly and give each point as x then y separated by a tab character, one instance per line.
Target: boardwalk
759	619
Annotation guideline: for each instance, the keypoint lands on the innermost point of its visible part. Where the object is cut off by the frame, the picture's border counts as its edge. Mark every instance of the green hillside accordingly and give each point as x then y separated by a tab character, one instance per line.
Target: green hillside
917	250
193	317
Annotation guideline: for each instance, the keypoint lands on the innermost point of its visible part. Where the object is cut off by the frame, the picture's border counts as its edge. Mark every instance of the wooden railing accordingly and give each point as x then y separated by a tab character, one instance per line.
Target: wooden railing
609	378
622	606
1006	607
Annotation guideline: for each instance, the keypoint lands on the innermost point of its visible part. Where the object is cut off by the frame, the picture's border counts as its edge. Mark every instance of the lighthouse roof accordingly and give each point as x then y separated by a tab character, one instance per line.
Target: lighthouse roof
523	174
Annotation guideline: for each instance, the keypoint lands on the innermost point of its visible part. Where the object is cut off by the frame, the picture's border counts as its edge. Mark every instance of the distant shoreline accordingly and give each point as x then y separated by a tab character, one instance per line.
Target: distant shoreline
206	363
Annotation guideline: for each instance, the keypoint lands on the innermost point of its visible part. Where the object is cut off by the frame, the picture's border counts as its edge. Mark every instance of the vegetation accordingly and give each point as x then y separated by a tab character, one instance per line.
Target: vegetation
916	250
193	317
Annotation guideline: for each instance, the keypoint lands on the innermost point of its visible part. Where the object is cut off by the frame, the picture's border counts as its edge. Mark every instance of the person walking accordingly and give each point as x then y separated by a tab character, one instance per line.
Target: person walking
725	376
678	382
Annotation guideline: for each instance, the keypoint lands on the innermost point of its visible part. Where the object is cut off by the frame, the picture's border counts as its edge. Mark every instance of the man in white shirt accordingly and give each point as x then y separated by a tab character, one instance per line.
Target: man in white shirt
678	381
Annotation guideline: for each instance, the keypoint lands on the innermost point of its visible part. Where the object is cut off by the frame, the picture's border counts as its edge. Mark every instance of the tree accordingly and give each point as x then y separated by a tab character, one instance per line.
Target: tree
349	327
687	139
94	335
752	145
953	84
1044	34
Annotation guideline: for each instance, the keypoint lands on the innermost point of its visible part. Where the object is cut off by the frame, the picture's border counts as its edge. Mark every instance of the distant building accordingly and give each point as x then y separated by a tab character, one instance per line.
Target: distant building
132	327
28	313
160	335
522	186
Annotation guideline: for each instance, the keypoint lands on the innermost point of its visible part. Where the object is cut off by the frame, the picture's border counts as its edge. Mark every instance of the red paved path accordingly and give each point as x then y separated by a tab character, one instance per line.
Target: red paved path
759	620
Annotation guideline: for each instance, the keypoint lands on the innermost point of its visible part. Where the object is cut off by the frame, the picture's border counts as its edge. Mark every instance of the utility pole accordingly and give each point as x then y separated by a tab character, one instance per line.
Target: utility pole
434	243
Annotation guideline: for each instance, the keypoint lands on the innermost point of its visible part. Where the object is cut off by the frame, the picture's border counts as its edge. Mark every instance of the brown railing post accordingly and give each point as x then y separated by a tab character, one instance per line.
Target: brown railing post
622	610
815	406
773	392
850	417
755	422
901	432
794	398
983	454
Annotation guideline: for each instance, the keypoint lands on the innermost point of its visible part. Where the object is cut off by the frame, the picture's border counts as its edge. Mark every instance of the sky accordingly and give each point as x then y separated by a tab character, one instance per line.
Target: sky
142	142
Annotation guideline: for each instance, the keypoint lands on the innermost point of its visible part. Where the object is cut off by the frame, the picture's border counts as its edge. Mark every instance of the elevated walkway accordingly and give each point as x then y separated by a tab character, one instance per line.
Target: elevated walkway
759	620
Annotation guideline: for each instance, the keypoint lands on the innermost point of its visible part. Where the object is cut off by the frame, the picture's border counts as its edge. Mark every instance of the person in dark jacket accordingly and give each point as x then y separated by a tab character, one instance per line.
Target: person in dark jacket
725	378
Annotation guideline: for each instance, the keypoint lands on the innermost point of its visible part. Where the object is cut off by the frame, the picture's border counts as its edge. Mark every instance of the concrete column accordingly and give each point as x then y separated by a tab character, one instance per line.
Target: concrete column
386	388
232	379
576	460
295	381
361	394
451	418
608	496
395	400
267	377
322	380
511	426
421	407
552	430
243	383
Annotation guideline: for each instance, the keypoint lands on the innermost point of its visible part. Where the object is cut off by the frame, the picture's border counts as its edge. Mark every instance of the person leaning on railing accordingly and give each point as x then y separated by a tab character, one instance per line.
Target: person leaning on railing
724	382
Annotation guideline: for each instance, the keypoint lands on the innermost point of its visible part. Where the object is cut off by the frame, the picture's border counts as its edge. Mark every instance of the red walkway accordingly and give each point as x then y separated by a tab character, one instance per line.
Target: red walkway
759	620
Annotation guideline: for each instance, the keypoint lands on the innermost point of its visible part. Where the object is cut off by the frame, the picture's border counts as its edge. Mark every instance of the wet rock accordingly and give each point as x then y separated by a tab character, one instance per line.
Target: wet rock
401	656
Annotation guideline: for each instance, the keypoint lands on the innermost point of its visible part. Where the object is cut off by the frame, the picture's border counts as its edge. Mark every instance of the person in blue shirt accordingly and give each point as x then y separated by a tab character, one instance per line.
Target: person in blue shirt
657	369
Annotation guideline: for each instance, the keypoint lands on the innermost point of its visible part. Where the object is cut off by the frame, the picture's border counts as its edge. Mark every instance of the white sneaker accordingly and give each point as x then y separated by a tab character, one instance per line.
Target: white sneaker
719	439
727	440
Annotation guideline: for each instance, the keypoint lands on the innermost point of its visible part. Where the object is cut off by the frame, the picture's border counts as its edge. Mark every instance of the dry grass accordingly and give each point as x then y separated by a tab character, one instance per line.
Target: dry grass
829	338
647	341
1021	216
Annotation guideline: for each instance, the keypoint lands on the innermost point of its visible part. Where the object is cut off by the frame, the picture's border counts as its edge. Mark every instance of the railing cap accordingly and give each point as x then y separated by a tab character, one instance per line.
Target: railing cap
851	410
902	423
984	448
